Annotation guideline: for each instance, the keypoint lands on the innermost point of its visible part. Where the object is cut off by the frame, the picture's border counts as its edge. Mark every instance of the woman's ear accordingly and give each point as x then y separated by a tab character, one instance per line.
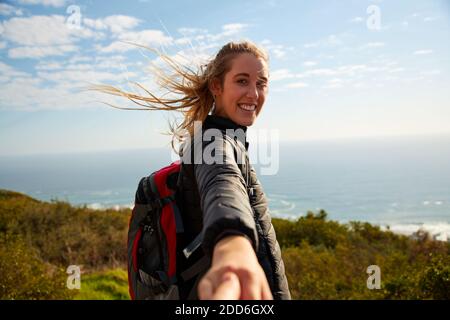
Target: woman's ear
215	87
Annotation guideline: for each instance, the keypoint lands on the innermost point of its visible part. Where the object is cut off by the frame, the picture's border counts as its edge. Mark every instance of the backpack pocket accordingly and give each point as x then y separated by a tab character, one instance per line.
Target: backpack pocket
154	288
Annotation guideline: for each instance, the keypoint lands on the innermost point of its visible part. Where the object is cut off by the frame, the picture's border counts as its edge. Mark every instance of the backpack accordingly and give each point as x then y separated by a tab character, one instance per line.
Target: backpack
154	225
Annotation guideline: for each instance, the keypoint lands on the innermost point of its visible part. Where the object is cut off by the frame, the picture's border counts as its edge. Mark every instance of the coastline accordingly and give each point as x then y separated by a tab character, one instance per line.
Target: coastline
437	230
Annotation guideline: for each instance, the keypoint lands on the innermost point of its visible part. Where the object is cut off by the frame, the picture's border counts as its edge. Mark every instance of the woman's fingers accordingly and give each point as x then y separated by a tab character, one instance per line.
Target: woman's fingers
205	289
229	288
234	286
251	287
226	287
266	292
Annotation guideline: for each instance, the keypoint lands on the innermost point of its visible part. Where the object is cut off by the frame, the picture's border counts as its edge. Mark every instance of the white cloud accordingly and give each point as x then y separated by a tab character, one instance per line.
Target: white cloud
41	36
309	63
48	65
115	23
115	62
59	89
395	70
233	28
115	46
192	36
345	71
57	85
281	74
278	50
189	57
422	52
40	51
228	31
81	77
431	72
144	37
374	45
201	41
6	10
191	31
52	3
183	41
332	40
297	85
2	45
356	75
336	77
29	94
76	59
318	72
111	62
42	31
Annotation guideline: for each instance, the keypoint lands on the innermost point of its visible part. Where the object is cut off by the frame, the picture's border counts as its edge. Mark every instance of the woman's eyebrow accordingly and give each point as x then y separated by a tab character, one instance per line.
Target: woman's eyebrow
242	74
247	75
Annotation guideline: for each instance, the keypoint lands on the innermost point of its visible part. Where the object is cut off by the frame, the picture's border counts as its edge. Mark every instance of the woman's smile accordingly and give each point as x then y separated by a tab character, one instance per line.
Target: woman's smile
247	107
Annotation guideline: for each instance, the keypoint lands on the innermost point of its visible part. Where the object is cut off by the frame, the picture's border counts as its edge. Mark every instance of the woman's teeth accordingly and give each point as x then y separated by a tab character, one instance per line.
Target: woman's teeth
248	107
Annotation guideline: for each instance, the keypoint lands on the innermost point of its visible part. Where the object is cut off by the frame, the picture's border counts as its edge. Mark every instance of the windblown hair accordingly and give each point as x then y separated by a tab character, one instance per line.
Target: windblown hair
189	88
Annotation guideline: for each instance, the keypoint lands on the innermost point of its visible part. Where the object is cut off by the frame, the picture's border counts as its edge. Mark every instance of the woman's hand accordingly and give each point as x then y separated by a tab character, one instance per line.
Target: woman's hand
235	273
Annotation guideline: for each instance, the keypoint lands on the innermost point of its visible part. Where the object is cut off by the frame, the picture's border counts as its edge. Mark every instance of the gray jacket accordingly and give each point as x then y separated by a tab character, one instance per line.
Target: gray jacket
227	198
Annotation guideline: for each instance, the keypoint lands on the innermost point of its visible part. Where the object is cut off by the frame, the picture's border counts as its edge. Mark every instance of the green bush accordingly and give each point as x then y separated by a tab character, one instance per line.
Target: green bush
25	276
310	228
66	235
434	280
328	260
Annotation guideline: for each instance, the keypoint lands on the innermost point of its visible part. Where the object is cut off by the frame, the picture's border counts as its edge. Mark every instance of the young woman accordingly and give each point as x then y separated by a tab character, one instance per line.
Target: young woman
223	200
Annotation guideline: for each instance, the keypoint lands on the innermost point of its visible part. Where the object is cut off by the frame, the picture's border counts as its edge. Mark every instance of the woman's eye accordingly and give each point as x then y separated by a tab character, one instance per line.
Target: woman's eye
242	81
261	84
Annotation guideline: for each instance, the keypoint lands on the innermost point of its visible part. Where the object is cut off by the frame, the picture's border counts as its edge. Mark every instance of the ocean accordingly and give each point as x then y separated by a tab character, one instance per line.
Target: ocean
400	182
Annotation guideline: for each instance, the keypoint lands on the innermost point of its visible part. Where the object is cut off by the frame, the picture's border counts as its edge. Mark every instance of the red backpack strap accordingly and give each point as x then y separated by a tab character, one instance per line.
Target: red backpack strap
168	215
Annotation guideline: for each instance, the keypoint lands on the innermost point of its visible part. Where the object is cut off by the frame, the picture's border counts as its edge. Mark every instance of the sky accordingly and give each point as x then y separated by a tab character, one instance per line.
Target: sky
338	69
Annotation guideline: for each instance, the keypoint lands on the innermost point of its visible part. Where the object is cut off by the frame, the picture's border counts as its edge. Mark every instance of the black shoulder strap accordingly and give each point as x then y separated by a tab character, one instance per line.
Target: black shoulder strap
198	267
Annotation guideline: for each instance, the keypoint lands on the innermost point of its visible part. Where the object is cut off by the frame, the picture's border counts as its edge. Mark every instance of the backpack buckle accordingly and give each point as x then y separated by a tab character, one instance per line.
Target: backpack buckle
194	245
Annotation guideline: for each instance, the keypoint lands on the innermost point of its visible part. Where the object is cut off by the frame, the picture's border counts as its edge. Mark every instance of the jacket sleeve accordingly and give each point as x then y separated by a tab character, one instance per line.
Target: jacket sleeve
223	195
259	202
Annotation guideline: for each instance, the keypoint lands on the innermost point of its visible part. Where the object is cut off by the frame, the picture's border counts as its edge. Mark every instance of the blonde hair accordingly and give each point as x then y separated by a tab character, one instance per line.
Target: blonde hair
195	100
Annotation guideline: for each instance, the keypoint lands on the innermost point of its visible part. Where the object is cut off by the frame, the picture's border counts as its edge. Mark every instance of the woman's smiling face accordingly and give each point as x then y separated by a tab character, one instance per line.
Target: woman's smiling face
244	90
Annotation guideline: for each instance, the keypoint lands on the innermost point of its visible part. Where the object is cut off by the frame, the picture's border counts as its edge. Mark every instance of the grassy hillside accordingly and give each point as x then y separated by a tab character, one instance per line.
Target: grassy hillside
324	259
104	285
39	240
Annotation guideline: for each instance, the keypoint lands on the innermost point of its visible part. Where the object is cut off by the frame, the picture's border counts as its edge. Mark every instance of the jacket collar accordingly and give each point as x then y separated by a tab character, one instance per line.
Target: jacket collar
222	123
214	121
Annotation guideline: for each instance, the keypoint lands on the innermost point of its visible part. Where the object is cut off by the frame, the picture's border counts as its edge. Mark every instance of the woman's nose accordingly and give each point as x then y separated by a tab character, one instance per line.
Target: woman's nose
253	92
